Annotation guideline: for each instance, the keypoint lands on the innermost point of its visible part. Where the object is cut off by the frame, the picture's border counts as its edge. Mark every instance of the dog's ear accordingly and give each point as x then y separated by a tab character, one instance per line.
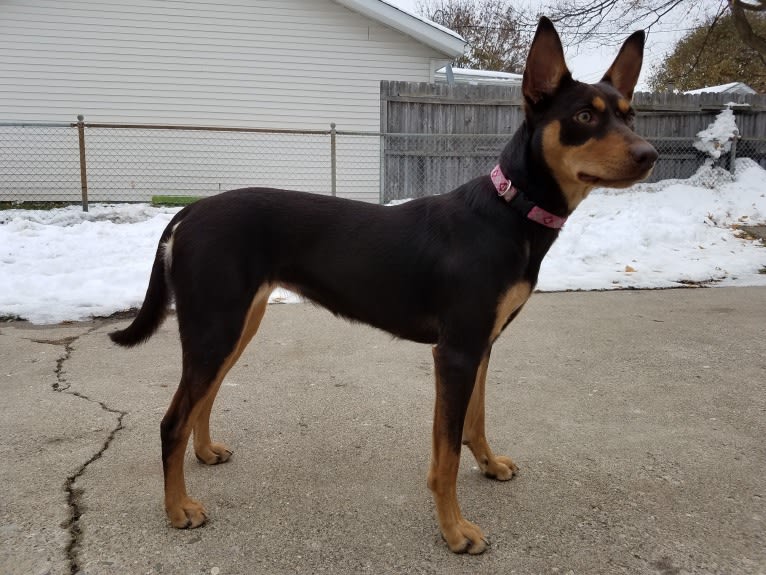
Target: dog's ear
546	68
624	71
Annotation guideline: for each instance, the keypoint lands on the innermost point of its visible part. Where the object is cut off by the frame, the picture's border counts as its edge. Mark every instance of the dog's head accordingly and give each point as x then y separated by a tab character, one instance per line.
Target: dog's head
584	132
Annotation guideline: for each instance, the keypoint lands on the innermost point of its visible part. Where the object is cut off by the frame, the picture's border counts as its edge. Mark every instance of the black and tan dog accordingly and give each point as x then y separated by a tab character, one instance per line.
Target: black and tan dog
451	270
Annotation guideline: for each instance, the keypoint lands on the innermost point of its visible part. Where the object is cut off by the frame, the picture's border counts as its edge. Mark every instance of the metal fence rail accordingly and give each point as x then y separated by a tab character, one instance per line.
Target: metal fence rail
99	162
109	162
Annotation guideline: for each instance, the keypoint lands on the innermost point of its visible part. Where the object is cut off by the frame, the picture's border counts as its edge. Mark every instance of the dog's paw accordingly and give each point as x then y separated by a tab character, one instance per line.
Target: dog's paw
187	515
213	454
500	467
465	537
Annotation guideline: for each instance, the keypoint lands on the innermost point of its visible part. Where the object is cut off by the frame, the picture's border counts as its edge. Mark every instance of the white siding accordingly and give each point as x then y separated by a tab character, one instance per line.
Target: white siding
298	64
262	63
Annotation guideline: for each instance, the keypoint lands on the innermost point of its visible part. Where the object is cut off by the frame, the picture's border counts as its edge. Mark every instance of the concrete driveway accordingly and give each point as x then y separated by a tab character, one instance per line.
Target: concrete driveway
638	420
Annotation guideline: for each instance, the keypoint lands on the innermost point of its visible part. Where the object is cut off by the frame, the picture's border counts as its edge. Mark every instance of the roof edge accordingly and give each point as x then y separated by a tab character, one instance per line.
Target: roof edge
421	29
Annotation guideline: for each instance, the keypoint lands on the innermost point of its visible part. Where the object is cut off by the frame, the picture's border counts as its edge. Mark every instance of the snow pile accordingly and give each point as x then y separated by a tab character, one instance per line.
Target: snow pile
64	264
663	235
716	139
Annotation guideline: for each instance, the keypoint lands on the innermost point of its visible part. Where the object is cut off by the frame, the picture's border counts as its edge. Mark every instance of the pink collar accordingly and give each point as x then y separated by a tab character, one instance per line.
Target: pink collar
508	192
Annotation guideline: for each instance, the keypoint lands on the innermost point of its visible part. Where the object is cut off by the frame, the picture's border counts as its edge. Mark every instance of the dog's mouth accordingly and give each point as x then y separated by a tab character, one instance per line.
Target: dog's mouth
587	178
612	182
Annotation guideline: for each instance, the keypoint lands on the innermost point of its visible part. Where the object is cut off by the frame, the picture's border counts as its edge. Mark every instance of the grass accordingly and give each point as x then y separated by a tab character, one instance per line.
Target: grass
170	201
36	205
173	200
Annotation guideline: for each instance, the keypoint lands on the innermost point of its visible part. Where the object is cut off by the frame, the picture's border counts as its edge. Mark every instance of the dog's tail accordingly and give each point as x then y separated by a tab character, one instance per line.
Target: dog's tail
155	306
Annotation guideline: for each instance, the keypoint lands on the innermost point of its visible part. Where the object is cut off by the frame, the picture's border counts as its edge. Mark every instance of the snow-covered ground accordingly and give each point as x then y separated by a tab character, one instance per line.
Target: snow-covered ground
65	264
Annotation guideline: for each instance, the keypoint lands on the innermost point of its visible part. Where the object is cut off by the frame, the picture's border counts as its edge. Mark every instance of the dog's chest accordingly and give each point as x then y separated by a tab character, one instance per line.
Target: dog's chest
509	302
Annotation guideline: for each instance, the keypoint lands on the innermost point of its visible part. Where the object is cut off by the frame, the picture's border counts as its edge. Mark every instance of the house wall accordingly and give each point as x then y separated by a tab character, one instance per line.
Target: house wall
265	63
296	64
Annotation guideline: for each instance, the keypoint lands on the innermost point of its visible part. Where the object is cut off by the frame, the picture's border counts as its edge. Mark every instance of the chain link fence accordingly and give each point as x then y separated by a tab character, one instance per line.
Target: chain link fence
39	162
95	162
135	163
417	165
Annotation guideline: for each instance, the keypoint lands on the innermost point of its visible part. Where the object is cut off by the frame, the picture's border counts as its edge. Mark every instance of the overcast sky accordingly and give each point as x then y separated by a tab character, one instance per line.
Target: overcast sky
590	62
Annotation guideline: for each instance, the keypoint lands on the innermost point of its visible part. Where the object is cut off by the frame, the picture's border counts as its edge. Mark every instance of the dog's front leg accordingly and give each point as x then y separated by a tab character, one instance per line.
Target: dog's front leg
455	376
474	435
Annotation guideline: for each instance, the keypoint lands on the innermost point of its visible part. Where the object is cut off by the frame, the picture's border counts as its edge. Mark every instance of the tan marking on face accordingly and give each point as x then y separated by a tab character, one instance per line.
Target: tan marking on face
509	302
563	162
607	159
623	105
598	103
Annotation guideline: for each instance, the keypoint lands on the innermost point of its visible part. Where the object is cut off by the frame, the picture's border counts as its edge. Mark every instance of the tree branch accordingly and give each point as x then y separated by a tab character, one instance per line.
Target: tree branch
745	30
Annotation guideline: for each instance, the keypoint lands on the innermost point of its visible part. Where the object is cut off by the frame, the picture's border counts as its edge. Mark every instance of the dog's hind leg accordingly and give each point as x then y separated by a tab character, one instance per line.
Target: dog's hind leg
203	372
206	450
474	435
175	429
455	375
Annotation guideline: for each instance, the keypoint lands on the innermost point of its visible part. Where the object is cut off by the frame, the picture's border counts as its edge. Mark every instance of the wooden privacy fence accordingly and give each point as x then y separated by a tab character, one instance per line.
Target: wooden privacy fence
437	136
432	138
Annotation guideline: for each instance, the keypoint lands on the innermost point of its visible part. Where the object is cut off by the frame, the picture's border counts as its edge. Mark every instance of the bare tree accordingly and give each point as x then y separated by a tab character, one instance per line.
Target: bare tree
583	20
710	55
491	27
739	11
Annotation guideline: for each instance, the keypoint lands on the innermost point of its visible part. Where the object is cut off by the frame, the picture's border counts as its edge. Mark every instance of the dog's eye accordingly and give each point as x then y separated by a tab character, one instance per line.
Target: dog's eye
584	116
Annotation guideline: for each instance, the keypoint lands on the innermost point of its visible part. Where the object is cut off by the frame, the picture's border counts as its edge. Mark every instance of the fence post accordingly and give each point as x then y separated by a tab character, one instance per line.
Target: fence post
733	154
83	171
382	170
333	161
383	134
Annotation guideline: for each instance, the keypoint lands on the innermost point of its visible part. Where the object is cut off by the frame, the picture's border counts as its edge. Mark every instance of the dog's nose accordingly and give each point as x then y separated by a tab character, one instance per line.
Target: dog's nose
644	154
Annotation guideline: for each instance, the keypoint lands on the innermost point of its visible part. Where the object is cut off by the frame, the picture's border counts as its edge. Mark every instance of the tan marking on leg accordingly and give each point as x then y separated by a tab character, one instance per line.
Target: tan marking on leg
508	303
474	434
460	534
206	450
182	510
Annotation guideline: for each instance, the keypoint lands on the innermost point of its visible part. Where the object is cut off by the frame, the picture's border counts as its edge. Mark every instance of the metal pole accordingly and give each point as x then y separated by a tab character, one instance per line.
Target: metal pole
382	171
333	161
83	172
382	161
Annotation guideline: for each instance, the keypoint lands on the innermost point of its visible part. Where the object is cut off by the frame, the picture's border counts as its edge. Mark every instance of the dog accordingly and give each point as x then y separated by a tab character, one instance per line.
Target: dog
451	270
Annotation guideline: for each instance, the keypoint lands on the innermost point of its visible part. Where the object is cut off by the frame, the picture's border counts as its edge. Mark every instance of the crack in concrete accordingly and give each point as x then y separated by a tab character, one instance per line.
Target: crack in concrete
74	494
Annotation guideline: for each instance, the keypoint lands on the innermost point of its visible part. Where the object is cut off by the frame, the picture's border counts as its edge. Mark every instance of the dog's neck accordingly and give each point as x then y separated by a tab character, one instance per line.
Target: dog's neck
521	161
519	202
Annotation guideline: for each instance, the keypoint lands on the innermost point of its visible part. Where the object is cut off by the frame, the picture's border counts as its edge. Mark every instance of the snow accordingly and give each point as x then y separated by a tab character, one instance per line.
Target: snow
468	75
716	139
423	19
671	233
730	88
65	264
